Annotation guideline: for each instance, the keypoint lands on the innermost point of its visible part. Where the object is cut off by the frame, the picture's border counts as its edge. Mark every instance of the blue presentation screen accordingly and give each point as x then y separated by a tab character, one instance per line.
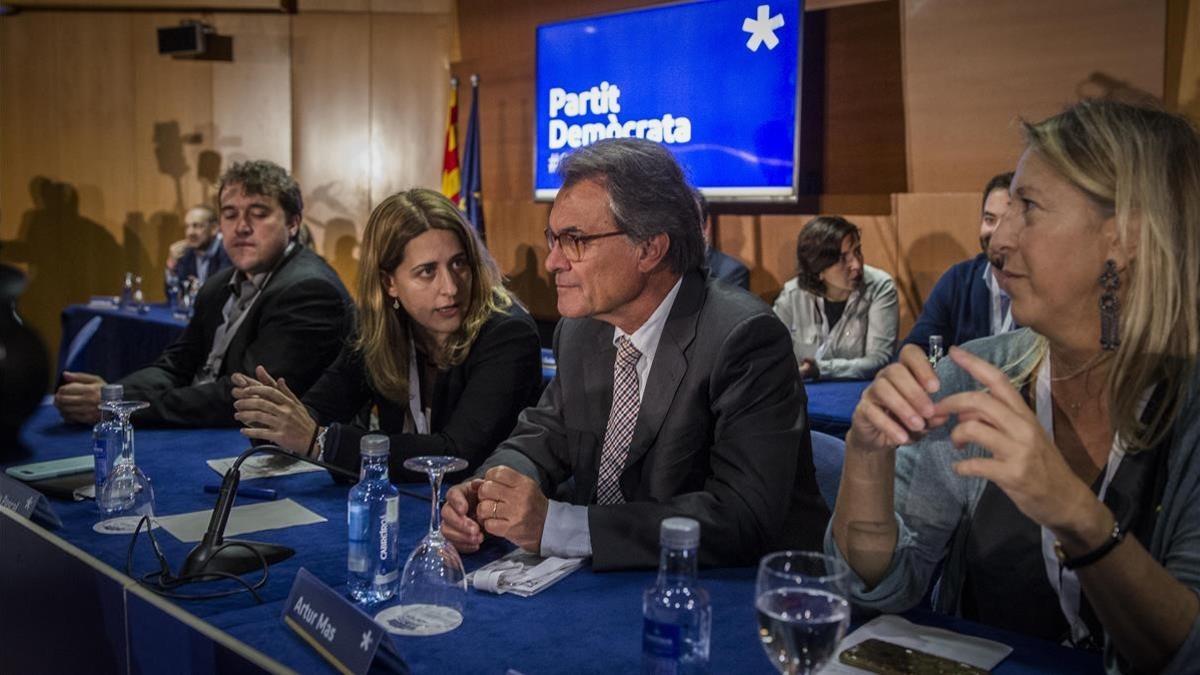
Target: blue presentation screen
716	82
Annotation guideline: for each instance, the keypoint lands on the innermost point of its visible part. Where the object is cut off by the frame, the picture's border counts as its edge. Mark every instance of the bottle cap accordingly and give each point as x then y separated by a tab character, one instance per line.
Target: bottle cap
374	445
677	533
112	392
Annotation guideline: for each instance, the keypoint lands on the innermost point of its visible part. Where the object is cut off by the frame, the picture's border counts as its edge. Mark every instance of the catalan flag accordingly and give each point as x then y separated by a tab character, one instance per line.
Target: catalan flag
451	178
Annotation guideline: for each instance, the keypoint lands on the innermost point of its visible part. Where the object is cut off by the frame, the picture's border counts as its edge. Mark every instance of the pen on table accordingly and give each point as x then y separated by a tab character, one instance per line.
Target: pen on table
251	492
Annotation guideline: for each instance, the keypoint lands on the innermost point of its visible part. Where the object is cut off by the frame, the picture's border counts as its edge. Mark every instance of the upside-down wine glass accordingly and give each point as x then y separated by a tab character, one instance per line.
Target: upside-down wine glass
800	600
433	587
127	491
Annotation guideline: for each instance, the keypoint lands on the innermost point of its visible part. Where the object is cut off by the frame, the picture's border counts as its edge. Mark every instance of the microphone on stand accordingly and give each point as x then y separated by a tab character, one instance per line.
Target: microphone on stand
216	557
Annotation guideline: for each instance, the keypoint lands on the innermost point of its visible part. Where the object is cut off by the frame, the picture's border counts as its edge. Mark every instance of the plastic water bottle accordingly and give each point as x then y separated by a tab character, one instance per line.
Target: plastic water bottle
107	436
677	619
937	349
373	514
126	292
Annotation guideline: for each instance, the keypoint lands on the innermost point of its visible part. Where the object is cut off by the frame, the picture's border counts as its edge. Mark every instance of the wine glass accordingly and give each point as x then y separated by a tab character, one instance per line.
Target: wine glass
126	491
433	587
800	600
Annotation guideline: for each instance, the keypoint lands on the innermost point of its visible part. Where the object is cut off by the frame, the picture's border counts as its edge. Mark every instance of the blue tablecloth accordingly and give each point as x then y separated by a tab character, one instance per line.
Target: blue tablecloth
586	623
831	404
126	340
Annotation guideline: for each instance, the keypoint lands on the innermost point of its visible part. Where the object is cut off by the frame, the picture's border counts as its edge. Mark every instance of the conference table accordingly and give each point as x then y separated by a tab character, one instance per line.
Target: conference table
68	587
831	404
123	341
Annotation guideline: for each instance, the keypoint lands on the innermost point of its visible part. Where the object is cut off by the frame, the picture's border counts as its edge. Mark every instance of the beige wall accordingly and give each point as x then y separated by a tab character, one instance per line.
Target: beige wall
972	68
102	140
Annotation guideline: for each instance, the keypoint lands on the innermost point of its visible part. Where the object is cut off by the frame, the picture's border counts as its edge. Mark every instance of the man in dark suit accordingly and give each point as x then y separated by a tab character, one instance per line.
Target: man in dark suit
199	254
279	305
720	266
676	395
967	302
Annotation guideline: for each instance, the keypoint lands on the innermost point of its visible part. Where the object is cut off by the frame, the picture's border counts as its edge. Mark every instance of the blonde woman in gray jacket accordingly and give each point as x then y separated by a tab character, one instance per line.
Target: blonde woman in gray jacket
843	314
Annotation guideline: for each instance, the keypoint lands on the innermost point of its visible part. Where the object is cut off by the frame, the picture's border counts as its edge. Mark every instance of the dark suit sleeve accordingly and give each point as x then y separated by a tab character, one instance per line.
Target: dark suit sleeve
176	366
759	423
537	446
299	330
740	276
937	316
502	373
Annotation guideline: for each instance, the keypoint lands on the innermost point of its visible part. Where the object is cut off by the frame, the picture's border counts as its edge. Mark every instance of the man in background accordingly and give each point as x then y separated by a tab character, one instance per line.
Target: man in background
199	254
720	266
967	302
279	305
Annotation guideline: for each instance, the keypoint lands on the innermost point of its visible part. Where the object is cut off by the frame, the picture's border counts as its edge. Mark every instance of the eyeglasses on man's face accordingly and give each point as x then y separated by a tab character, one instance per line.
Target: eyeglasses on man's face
573	244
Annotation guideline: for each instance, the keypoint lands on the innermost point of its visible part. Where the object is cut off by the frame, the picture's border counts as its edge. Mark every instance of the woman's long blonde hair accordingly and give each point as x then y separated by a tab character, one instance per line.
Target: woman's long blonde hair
384	332
1143	166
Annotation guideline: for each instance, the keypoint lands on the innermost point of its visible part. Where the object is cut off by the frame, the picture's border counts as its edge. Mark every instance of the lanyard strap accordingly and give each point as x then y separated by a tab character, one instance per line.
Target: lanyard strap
1065	582
419	416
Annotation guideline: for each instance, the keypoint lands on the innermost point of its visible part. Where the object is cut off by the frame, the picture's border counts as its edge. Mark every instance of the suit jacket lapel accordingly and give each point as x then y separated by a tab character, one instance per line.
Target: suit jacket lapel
670	364
598	359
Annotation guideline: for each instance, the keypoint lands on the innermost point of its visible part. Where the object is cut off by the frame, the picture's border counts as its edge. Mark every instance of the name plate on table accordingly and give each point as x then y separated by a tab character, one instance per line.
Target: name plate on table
340	632
27	502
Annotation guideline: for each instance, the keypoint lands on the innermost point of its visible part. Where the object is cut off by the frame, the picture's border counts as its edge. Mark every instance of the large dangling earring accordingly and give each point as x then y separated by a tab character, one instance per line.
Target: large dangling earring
1110	308
395	303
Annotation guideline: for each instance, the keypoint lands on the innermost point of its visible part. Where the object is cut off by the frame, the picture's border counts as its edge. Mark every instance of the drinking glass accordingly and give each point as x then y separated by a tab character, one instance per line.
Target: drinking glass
127	491
433	587
800	600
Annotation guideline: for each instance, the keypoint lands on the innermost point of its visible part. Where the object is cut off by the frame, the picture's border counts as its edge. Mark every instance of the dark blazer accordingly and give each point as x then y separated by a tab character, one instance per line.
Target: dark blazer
959	308
727	269
294	329
188	264
721	436
475	404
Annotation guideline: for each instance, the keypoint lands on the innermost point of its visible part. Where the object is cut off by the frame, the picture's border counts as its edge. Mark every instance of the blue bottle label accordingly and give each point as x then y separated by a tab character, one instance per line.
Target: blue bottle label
357	516
100	454
662	645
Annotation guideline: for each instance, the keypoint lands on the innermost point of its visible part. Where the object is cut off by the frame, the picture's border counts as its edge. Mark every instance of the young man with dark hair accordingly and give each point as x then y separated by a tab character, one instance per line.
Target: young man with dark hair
279	306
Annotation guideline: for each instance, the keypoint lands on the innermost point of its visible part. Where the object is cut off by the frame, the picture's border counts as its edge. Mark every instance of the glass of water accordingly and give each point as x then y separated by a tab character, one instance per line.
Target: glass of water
800	601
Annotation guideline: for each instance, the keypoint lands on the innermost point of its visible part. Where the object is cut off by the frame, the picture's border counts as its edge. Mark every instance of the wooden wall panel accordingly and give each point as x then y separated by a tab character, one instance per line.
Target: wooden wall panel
409	93
1183	53
173	107
863	135
251	97
378	6
971	68
232	5
331	80
28	124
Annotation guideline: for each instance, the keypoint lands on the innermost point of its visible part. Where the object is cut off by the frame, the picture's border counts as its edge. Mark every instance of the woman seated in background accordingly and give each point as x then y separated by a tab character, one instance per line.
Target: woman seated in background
1065	500
442	350
843	314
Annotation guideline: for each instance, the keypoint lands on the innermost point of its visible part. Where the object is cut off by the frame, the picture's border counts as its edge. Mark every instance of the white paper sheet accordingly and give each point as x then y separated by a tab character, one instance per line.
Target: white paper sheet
263	466
977	652
273	515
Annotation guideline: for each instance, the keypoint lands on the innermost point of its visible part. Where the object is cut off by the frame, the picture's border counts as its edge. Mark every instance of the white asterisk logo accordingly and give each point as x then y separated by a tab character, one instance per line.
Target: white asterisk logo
366	641
762	30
